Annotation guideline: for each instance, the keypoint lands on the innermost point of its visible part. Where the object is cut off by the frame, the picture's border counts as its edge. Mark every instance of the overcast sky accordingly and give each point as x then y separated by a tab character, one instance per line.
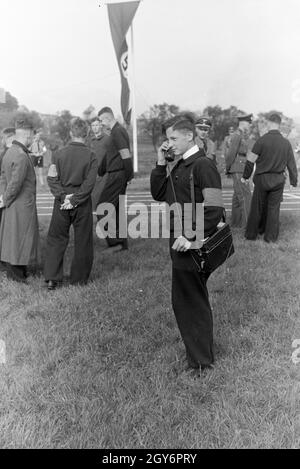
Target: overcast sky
58	54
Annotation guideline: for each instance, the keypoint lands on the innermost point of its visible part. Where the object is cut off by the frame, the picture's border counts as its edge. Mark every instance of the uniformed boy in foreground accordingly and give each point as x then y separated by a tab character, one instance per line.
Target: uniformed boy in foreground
189	291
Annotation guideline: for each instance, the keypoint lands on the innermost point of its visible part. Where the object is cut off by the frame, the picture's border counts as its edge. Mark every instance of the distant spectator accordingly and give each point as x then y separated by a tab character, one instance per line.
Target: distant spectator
38	149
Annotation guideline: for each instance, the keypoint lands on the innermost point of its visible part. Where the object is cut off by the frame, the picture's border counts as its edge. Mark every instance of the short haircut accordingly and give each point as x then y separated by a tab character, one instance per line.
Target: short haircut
274	117
79	128
184	117
185	126
105	110
95	119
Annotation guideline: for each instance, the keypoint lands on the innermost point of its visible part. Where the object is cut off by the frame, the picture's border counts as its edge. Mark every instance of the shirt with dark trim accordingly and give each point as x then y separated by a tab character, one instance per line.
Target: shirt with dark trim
119	140
274	152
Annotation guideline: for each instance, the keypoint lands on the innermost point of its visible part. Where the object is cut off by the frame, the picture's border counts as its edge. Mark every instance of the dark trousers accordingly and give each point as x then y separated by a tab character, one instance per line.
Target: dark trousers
81	218
16	272
115	185
193	315
265	206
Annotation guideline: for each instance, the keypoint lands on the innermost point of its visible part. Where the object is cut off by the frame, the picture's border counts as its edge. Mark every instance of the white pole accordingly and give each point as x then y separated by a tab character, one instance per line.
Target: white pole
133	111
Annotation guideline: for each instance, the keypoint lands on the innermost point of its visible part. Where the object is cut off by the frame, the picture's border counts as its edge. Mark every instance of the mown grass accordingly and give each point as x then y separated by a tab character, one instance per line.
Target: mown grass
100	366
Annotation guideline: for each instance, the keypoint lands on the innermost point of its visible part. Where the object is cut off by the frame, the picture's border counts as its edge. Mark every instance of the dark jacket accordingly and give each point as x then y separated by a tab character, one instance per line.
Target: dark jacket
99	145
275	154
208	190
19	231
74	172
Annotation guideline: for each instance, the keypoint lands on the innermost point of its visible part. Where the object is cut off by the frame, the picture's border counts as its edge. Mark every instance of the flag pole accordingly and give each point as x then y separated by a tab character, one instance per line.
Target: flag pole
133	111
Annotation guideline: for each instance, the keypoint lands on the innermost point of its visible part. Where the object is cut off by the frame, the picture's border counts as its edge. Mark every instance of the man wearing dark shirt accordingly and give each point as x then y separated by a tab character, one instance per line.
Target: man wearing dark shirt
71	180
189	291
272	154
99	144
118	166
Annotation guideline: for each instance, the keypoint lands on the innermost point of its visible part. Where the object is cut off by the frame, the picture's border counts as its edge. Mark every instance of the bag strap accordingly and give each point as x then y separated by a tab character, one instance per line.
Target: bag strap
192	189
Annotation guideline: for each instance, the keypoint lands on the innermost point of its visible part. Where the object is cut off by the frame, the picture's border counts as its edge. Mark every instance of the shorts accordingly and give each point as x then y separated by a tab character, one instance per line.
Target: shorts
38	161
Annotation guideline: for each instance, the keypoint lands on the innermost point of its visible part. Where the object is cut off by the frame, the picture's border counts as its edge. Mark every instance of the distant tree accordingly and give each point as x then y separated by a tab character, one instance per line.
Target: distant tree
151	122
222	119
33	116
62	125
89	112
11	103
7	110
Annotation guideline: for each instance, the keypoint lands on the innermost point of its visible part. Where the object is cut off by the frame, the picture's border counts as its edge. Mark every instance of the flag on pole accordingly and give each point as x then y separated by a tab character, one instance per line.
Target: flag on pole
2	95
120	18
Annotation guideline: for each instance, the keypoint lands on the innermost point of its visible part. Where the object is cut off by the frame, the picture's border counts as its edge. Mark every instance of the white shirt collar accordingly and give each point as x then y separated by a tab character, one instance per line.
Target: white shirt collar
190	152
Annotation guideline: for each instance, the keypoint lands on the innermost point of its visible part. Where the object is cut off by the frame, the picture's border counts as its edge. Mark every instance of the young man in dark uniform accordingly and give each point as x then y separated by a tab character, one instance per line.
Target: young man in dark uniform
189	291
118	165
235	160
99	144
71	180
272	154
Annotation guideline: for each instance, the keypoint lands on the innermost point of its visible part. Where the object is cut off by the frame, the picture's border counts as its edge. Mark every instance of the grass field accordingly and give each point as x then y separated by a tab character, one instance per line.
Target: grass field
101	366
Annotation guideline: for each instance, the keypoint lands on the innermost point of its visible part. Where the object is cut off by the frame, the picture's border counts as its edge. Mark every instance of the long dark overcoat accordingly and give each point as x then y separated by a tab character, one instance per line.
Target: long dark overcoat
19	232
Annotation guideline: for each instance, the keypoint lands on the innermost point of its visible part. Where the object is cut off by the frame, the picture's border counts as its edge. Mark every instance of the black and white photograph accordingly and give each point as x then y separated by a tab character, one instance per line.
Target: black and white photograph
149	227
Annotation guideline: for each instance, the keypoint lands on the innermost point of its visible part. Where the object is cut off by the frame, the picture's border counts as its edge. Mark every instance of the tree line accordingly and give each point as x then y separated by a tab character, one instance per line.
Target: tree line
57	127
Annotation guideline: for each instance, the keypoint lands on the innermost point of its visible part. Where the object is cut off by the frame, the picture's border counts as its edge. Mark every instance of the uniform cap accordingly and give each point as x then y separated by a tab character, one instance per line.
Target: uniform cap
203	122
245	117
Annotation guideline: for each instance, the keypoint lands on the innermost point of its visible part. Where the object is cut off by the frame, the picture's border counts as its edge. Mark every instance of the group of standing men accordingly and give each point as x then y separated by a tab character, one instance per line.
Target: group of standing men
273	155
72	179
78	173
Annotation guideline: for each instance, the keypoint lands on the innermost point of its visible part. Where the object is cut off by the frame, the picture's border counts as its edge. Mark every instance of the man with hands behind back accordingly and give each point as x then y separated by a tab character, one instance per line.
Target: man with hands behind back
71	180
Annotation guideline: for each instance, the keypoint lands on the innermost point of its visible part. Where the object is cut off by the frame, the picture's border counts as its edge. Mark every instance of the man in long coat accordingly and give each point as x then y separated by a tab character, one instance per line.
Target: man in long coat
19	234
8	135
